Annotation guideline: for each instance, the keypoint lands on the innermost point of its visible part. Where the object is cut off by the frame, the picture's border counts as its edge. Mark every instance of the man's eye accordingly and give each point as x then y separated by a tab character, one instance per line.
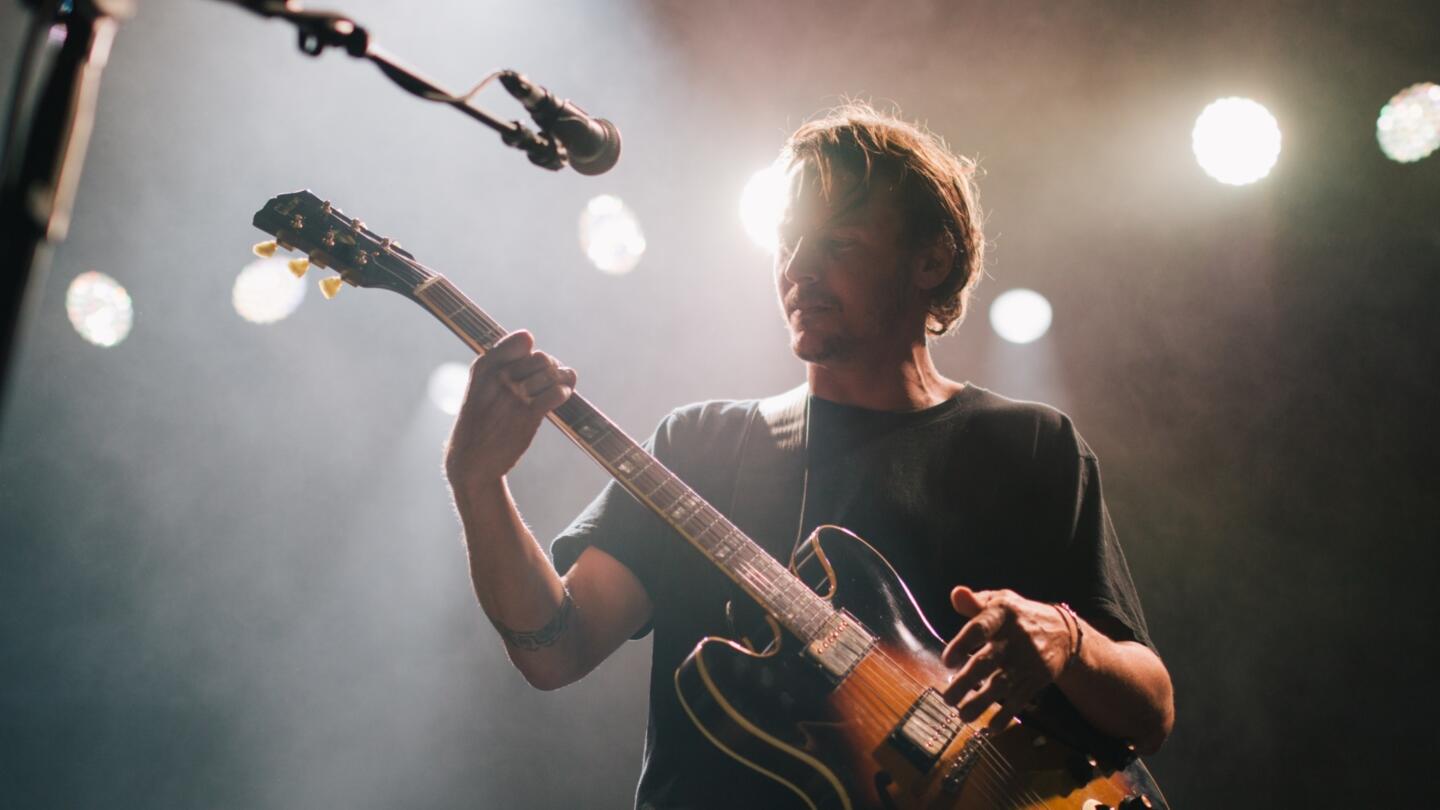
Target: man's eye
837	245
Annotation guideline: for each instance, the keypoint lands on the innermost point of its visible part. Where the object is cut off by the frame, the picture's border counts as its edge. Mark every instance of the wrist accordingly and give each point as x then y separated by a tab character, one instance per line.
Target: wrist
1075	632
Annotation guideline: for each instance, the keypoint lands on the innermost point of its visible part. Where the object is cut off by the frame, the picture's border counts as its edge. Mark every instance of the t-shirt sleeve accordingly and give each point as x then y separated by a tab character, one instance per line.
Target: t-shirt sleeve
1094	577
616	523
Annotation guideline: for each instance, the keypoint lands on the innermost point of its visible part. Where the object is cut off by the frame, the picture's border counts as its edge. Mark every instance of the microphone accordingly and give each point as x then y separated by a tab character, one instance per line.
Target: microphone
593	144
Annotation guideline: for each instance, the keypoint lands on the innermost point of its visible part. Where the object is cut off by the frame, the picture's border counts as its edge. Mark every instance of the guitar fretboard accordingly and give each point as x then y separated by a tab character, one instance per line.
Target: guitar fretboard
769	583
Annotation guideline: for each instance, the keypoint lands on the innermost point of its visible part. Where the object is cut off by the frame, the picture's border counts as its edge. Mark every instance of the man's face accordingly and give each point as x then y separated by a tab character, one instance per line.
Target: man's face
842	271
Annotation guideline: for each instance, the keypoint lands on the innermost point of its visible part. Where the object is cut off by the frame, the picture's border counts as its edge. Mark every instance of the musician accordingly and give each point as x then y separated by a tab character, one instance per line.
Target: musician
989	509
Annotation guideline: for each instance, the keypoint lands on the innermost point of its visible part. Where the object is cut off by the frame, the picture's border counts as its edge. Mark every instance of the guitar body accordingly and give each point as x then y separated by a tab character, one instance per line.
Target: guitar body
835	743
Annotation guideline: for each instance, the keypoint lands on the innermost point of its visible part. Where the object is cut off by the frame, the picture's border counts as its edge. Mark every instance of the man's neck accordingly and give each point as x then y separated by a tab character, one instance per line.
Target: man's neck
909	383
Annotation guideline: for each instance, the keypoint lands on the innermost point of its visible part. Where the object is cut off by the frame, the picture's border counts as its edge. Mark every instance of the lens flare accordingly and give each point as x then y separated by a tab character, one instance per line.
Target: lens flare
99	308
267	291
1020	316
1236	141
1409	126
447	386
610	235
761	205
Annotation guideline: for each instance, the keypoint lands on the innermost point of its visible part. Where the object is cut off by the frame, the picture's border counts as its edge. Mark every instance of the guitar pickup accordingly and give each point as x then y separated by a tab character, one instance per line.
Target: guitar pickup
925	731
840	646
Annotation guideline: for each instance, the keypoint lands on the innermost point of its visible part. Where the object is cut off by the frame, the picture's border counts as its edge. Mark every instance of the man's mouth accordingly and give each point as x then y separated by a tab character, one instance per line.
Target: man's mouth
811	306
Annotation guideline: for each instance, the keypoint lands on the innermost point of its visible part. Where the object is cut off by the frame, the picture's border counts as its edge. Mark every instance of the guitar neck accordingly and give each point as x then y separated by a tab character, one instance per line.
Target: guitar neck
760	575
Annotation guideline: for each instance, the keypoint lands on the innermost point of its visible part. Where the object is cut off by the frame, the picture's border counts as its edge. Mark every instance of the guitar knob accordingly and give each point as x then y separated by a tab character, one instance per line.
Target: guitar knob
299	266
264	249
1136	803
330	287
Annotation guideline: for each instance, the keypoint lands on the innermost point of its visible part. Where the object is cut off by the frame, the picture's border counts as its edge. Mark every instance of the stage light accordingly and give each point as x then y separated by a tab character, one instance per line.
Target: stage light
1020	315
99	308
267	291
447	386
1236	141
761	205
1409	126
610	235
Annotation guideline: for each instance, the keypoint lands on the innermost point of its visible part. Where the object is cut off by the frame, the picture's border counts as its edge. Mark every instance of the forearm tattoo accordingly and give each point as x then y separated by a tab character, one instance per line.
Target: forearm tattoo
545	636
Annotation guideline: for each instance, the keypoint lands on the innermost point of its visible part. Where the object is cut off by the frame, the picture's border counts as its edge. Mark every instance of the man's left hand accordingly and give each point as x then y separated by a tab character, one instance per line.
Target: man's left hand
1011	649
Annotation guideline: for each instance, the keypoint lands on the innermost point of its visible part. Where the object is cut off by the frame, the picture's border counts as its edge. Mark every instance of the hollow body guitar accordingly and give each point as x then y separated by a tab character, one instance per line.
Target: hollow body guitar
843	706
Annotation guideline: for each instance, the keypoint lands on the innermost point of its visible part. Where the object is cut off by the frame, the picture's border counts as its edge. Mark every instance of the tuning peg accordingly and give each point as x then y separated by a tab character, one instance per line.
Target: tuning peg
330	287
264	249
299	266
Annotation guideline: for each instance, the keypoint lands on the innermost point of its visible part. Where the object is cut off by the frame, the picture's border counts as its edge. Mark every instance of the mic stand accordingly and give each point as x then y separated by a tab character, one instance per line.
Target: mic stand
319	30
52	111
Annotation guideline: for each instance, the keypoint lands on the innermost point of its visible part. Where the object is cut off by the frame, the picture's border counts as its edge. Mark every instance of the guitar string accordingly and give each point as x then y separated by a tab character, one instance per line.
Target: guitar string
986	747
756	576
984	782
987	780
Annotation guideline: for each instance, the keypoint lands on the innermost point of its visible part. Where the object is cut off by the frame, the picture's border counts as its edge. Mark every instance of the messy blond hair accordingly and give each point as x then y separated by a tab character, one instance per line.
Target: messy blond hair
936	189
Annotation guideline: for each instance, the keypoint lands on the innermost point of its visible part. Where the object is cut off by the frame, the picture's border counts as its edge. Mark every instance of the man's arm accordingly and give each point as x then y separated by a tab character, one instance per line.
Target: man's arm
555	629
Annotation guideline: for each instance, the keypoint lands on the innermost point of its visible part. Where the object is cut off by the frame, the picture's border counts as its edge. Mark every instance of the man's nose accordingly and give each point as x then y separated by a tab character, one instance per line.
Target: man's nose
799	267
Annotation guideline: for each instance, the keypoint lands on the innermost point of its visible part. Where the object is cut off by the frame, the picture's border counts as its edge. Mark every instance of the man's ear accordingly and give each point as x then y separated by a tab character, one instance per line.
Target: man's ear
934	262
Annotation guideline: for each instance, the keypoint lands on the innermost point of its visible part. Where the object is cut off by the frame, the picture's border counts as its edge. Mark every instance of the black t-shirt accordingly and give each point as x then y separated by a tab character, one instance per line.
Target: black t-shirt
979	490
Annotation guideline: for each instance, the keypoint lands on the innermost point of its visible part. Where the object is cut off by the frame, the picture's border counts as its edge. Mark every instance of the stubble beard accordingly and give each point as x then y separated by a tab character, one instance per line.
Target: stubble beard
825	350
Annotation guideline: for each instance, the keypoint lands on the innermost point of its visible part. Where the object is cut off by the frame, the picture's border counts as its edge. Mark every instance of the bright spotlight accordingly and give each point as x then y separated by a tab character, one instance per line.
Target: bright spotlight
266	291
99	308
1409	126
610	235
447	386
762	203
1236	141
1020	316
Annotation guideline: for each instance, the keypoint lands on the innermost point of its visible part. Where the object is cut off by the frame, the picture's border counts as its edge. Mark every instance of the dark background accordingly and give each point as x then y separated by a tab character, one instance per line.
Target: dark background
229	573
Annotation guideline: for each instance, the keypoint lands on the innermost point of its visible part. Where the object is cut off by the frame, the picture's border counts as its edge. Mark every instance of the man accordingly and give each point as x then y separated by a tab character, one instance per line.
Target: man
989	509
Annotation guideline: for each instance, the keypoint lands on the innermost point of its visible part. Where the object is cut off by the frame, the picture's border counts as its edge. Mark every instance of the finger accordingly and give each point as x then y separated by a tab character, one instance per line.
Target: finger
1015	702
984	662
551	399
513	346
509	349
530	364
972	636
534	376
488	385
995	690
968	602
480	388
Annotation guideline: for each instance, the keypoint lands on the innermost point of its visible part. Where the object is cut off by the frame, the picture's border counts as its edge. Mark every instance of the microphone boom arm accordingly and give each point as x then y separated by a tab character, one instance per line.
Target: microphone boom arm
319	30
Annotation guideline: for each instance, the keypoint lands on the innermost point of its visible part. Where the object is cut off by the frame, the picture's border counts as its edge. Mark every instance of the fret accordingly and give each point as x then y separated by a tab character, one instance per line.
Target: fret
629	465
727	545
704	517
672	493
699	538
683	508
611	444
659	477
592	430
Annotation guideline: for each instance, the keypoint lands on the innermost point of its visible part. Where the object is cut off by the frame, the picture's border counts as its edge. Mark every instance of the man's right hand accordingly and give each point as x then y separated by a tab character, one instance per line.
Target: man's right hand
512	388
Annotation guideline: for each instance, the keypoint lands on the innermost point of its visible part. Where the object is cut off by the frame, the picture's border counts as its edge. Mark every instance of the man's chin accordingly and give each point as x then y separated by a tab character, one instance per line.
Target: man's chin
812	349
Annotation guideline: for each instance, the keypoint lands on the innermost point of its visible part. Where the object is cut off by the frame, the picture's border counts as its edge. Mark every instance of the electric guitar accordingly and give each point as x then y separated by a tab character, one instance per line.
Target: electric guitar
843	706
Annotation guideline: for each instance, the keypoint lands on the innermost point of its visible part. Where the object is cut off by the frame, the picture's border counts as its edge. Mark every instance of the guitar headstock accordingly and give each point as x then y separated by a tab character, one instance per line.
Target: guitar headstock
301	221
